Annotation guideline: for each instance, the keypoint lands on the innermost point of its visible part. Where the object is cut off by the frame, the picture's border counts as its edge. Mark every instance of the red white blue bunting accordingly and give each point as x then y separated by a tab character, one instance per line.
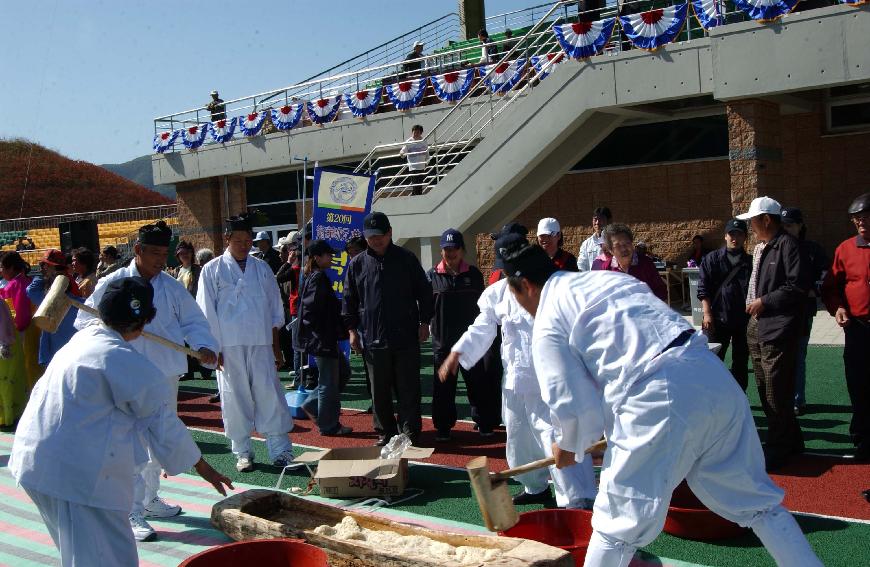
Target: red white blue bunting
544	64
323	110
287	116
584	39
251	124
365	102
505	76
765	10
655	28
454	85
407	94
854	2
708	13
222	130
193	136
164	140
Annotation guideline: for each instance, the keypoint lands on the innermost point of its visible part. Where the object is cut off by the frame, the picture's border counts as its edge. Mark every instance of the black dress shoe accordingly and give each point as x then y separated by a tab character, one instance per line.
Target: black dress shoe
543	497
862	452
215	399
383	440
866	494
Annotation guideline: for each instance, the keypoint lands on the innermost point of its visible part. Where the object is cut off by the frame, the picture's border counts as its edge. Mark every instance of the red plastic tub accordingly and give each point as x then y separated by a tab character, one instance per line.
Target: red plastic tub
688	518
566	529
271	552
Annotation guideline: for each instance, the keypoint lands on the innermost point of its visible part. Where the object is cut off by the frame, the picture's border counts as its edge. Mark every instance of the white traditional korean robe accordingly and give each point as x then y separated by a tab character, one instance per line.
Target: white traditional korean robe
600	347
242	309
80	440
178	319
526	416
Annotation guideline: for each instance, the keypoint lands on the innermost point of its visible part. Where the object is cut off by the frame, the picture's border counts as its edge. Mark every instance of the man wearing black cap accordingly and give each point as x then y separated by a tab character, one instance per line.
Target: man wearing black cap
76	446
724	281
846	293
612	358
240	297
457	287
387	296
178	319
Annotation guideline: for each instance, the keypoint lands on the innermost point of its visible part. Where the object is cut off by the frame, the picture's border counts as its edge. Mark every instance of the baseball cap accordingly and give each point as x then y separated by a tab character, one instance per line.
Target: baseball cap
862	203
214	93
511	227
452	238
736	224
762	206
53	257
318	247
127	300
376	224
263	235
792	215
548	225
419	43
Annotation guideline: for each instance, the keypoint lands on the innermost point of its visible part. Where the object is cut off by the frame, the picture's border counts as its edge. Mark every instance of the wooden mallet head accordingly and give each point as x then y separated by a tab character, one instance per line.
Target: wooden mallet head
54	307
493	497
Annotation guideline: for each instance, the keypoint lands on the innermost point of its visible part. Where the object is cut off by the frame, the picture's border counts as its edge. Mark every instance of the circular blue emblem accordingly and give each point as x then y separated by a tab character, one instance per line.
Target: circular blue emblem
343	190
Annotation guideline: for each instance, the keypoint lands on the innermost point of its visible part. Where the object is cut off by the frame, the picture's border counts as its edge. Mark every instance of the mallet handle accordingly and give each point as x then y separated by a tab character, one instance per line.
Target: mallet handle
539	464
150	336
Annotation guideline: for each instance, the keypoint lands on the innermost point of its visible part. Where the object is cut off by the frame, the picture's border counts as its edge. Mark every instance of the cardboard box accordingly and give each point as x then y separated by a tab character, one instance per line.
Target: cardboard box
359	471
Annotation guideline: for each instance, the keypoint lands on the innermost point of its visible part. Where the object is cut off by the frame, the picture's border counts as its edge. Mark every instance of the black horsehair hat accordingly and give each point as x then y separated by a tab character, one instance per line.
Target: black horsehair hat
157	234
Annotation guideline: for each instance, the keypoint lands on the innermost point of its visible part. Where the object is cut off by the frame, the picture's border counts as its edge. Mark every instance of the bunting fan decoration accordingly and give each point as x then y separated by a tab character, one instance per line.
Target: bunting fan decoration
407	94
765	10
287	116
544	64
251	124
193	136
708	13
164	140
505	76
584	39
365	102
323	110
222	130
854	2
655	28
454	85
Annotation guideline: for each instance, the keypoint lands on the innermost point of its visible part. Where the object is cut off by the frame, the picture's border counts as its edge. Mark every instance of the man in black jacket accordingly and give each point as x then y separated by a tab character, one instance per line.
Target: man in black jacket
724	281
775	303
387	297
457	287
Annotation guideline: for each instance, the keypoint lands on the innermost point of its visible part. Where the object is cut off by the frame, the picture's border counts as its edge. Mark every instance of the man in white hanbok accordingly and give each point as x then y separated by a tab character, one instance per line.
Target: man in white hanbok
610	355
240	297
81	436
178	319
526	416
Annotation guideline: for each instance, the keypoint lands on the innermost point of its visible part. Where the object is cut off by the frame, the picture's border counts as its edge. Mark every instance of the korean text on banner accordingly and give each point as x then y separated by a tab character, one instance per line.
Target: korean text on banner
341	202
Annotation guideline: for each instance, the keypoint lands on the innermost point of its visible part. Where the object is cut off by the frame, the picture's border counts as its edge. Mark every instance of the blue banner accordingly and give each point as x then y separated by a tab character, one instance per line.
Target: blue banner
341	202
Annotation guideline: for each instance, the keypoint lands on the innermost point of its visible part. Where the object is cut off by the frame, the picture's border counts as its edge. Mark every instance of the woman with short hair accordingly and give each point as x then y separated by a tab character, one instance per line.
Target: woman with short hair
620	256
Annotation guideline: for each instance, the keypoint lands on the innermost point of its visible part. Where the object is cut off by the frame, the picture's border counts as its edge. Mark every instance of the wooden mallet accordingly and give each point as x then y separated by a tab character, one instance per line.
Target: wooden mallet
491	489
56	304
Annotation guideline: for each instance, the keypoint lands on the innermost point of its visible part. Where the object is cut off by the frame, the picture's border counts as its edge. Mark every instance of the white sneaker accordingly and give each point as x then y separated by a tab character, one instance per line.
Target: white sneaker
158	508
142	530
245	463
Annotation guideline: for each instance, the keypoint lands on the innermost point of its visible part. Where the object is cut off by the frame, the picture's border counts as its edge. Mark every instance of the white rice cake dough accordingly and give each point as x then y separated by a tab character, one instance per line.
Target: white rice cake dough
418	547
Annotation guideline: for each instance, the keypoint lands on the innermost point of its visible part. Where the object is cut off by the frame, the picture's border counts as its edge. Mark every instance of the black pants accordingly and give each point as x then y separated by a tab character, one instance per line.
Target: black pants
740	352
395	369
774	364
484	396
856	358
285	340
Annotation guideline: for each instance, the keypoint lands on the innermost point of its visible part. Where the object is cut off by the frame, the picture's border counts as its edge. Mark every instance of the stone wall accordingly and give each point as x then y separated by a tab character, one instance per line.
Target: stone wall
202	209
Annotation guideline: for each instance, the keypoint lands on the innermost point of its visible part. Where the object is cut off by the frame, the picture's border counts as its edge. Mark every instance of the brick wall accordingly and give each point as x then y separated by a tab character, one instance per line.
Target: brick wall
665	206
202	209
786	157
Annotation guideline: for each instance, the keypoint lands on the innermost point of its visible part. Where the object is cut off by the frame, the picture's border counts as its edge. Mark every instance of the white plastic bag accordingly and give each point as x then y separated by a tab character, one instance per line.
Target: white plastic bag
396	446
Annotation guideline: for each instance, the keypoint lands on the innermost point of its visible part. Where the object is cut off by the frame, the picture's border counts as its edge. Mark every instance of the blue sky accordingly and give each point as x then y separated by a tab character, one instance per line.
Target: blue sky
87	77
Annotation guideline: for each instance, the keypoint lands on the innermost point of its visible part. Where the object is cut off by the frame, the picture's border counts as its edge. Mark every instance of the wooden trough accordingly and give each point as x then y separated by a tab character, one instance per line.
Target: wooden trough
264	514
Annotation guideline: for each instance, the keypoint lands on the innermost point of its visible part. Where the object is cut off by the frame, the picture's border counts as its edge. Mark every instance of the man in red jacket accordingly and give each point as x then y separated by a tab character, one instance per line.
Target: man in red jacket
846	293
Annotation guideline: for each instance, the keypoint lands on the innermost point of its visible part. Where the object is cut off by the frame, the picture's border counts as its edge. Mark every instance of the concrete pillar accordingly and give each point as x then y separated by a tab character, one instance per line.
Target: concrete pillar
472	17
430	252
754	152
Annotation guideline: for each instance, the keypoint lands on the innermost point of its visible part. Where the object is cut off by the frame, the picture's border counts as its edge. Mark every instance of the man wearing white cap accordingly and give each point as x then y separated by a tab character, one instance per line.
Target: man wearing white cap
775	302
551	240
265	252
216	107
413	62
